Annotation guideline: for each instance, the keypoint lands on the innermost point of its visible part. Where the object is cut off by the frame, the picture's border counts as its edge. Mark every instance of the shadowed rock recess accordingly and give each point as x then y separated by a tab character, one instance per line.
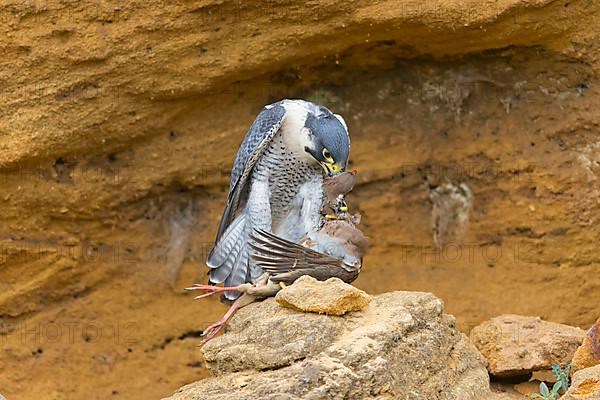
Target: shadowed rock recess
473	123
402	346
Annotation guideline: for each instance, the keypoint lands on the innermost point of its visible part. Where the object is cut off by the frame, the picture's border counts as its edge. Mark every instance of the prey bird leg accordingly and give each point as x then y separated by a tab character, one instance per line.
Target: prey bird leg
211	289
250	293
215	328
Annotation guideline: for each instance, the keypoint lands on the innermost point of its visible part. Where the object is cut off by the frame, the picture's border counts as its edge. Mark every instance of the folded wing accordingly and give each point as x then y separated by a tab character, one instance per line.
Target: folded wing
286	261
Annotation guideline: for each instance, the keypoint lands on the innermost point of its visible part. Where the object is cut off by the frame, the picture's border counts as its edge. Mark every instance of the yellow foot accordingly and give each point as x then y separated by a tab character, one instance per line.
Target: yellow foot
333	216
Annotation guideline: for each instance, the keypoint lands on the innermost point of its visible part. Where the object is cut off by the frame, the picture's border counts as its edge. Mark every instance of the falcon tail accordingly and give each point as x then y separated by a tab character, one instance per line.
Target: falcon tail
228	260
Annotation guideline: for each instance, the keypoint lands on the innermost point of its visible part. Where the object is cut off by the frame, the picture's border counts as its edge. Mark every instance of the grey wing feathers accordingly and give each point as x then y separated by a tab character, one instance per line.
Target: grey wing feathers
229	259
225	253
260	134
286	261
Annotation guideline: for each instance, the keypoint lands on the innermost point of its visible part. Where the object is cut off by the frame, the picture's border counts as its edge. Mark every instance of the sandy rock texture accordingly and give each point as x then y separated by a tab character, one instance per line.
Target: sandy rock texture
585	385
515	345
588	354
331	297
401	346
474	131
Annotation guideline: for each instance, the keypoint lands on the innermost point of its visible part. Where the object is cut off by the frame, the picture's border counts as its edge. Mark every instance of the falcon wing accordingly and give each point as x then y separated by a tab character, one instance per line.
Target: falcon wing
257	139
286	261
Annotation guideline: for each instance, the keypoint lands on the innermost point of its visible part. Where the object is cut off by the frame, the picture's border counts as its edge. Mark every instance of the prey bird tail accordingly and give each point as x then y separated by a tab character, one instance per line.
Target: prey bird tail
228	260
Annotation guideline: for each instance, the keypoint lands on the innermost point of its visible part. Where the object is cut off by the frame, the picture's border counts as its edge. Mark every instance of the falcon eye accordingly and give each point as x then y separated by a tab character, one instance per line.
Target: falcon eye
327	155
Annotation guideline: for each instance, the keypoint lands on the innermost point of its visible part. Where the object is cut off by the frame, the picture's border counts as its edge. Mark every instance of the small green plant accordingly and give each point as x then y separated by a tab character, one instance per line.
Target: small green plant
561	385
547	394
562	375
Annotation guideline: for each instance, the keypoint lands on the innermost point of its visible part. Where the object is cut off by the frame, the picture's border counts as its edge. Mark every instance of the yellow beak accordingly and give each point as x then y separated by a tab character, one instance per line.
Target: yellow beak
332	168
337	168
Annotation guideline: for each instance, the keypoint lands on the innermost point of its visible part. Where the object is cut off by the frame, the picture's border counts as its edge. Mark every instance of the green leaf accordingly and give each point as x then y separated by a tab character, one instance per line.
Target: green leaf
557	371
557	386
562	376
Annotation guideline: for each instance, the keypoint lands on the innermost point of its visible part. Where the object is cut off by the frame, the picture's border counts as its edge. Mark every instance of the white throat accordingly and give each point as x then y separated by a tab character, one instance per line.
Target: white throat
294	133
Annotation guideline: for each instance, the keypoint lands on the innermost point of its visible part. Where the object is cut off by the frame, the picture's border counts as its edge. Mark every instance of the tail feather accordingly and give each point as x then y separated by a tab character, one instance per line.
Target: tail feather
223	271
238	274
228	260
223	249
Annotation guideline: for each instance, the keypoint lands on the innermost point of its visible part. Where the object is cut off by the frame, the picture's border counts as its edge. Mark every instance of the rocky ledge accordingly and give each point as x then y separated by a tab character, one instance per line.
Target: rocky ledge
401	345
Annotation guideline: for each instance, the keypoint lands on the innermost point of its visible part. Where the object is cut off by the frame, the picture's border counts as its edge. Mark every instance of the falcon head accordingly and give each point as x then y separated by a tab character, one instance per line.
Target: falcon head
328	139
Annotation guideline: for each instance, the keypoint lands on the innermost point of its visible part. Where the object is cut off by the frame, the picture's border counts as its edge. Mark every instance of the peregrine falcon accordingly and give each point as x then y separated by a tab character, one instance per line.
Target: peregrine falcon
276	184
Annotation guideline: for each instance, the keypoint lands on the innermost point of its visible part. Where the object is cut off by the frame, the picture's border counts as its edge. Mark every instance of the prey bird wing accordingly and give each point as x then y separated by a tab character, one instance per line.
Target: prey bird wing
286	261
256	141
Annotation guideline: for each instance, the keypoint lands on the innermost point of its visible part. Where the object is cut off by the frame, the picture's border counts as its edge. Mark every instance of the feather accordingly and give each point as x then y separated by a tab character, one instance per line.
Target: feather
223	271
238	274
257	139
286	261
221	252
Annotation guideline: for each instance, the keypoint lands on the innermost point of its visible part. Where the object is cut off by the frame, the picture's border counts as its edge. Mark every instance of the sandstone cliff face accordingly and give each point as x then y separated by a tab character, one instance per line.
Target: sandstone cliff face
472	123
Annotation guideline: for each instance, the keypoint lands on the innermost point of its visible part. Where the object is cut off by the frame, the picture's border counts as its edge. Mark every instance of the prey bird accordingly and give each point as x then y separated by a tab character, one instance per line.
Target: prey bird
336	249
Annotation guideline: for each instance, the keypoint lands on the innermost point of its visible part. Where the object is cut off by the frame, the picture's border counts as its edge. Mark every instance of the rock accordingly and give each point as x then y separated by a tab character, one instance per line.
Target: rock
506	391
402	346
543	375
333	296
516	345
266	335
526	389
585	385
588	354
